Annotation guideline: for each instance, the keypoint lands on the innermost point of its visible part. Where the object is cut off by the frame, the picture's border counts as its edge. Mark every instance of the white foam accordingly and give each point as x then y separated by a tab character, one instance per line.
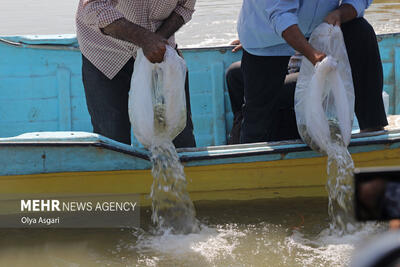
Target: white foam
252	245
329	249
209	243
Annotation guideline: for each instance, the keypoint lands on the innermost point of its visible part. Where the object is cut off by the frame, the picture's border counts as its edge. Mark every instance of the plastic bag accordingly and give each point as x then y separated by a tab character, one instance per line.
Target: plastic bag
324	97
157	105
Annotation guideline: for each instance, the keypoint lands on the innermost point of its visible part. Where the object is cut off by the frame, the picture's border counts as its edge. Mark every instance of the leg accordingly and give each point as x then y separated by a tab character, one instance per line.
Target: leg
286	128
234	81
286	121
107	101
263	78
186	137
366	67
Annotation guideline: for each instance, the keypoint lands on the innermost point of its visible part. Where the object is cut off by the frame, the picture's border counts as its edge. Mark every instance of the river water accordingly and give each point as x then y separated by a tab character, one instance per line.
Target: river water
213	23
273	233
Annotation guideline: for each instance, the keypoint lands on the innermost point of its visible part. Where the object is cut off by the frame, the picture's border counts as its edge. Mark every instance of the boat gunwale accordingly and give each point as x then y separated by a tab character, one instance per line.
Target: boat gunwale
301	147
220	152
97	144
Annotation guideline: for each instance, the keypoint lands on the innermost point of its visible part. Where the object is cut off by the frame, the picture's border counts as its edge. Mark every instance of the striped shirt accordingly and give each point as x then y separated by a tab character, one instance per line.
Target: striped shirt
108	54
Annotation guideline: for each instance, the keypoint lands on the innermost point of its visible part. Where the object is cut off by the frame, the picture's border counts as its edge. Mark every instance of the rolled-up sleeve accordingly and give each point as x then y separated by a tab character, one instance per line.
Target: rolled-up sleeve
359	5
185	9
100	13
281	14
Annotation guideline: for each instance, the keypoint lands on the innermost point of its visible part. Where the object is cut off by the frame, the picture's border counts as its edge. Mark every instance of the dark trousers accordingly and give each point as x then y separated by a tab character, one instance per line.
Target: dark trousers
366	67
107	102
263	78
285	120
234	82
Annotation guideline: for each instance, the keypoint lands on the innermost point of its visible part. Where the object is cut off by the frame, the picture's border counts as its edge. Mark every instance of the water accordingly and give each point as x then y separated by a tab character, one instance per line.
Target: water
283	232
172	207
340	190
214	22
339	184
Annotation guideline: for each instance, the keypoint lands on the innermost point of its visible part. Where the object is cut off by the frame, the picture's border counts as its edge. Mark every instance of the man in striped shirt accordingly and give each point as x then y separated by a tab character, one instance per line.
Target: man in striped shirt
109	34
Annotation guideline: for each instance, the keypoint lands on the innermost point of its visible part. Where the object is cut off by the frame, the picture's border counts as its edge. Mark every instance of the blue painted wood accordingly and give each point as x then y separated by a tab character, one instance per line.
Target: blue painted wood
388	44
64	99
49	152
207	93
24	160
56	39
34	93
396	95
218	104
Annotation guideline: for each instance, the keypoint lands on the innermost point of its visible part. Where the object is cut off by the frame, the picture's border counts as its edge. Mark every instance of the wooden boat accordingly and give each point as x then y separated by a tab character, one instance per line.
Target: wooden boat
47	146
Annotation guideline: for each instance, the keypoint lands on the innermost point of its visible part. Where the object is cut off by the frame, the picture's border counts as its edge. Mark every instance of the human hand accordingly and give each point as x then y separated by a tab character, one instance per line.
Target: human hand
334	18
394	224
238	46
154	48
316	56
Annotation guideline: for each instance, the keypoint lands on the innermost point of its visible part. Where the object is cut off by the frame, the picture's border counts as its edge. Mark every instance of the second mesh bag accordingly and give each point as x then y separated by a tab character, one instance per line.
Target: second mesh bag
324	98
157	103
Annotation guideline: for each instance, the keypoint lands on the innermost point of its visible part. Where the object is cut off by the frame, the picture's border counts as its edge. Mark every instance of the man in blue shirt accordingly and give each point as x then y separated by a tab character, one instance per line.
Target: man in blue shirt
271	30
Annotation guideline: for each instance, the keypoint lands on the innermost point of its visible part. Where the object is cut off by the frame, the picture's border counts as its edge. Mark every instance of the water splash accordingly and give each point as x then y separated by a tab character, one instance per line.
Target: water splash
339	184
171	204
340	187
327	248
209	245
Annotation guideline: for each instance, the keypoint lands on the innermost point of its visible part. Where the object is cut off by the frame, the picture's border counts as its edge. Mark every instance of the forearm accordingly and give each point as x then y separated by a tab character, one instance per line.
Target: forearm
171	25
347	13
125	30
295	38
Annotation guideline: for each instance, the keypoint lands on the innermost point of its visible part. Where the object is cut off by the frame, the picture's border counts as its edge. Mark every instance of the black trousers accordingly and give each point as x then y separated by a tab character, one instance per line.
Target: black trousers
285	119
366	67
263	78
107	102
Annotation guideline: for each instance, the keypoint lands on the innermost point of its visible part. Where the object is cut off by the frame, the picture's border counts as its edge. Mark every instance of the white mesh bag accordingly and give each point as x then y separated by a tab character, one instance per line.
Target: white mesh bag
324	98
157	105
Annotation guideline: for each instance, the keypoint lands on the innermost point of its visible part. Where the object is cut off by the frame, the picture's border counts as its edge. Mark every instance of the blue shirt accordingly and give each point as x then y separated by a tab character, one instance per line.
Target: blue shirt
261	22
